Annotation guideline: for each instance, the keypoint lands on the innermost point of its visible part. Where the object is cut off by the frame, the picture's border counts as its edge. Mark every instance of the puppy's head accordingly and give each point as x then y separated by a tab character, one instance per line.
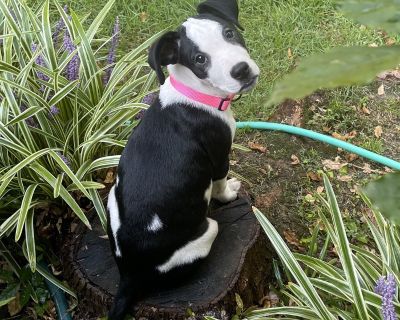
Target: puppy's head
211	46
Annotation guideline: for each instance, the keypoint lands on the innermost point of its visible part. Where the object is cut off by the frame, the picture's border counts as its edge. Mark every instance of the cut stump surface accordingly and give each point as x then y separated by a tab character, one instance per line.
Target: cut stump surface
239	262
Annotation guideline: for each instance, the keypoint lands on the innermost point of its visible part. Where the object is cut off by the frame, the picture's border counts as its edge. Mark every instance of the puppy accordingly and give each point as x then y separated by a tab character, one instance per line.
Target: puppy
176	159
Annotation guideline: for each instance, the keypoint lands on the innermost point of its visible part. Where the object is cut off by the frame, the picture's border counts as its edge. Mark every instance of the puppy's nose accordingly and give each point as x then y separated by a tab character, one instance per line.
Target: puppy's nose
241	71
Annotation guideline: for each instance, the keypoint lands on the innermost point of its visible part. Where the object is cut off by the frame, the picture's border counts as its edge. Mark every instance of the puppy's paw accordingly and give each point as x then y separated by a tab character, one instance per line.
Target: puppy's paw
230	192
233	184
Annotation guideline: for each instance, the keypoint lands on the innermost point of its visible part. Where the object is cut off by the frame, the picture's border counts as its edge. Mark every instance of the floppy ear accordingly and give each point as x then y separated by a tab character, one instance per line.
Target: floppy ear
225	9
163	52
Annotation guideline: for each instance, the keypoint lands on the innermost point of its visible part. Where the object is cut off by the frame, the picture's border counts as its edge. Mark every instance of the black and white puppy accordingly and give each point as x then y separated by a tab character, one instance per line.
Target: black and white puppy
176	159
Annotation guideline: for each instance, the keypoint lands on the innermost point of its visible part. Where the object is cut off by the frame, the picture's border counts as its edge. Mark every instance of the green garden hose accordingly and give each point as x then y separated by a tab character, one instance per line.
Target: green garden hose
321	137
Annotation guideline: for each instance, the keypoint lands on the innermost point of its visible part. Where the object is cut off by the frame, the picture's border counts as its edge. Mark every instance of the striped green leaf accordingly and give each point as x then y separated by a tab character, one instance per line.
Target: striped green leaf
345	252
25	205
313	300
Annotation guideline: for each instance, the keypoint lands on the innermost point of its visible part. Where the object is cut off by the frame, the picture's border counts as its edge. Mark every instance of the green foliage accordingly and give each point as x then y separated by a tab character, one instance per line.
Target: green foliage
56	132
385	195
382	14
338	67
346	282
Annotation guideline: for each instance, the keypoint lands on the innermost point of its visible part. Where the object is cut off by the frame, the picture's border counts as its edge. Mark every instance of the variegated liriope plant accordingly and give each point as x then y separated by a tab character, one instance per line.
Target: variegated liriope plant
67	107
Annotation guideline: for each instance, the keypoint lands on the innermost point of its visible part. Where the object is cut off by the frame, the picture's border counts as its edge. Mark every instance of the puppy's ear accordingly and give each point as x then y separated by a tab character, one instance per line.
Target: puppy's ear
225	9
163	52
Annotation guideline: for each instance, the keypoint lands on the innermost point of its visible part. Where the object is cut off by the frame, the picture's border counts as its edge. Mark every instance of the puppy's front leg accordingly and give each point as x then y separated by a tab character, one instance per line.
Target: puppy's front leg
225	190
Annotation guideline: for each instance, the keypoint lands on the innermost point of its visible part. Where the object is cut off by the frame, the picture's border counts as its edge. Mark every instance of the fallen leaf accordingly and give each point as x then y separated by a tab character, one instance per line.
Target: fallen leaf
367	168
320	189
365	110
378	131
291	237
143	16
257	147
270	300
373	45
326	129
381	90
333	165
289	53
14	306
109	176
350	157
339	136
266	200
389	74
314	176
295	159
390	41
352	134
345	178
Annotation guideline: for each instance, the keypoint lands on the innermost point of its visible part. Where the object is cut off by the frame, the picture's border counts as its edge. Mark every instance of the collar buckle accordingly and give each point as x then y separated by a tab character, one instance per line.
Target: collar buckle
223	105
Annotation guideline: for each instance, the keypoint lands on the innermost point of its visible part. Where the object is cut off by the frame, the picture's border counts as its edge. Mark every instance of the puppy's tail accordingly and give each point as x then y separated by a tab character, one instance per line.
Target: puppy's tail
124	300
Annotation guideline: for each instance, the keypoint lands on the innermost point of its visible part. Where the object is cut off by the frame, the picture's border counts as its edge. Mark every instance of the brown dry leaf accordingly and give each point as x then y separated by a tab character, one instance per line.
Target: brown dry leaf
378	131
334	165
143	16
291	237
389	74
314	176
367	168
352	134
266	200
289	53
320	189
388	170
365	110
344	178
390	41
257	147
326	129
339	136
109	176
295	159
381	90
14	306
270	300
350	157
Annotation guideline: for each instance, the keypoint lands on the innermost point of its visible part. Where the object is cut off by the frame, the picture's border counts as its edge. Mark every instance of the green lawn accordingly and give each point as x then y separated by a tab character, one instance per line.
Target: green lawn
278	33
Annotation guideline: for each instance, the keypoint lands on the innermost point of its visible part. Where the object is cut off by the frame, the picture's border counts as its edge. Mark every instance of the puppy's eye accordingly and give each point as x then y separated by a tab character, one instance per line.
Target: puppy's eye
229	34
200	59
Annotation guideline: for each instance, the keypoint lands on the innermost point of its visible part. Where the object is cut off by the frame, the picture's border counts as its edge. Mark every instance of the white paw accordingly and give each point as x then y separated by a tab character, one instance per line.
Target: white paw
231	190
233	184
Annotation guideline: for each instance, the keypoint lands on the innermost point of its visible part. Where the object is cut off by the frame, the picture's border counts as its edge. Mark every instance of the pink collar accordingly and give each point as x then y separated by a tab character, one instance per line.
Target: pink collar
216	102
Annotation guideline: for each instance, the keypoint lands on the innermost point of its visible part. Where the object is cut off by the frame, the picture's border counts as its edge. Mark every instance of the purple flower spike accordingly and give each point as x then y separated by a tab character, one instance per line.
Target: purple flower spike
112	51
64	158
59	27
54	111
30	121
386	287
150	98
72	69
40	62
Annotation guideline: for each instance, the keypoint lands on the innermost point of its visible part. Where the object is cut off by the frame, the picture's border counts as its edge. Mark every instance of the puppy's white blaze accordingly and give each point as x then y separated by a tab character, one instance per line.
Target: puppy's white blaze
155	224
207	193
208	36
169	95
115	221
199	248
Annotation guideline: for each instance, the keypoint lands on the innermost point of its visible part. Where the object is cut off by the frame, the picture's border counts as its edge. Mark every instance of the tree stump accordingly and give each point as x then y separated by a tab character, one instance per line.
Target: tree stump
239	262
